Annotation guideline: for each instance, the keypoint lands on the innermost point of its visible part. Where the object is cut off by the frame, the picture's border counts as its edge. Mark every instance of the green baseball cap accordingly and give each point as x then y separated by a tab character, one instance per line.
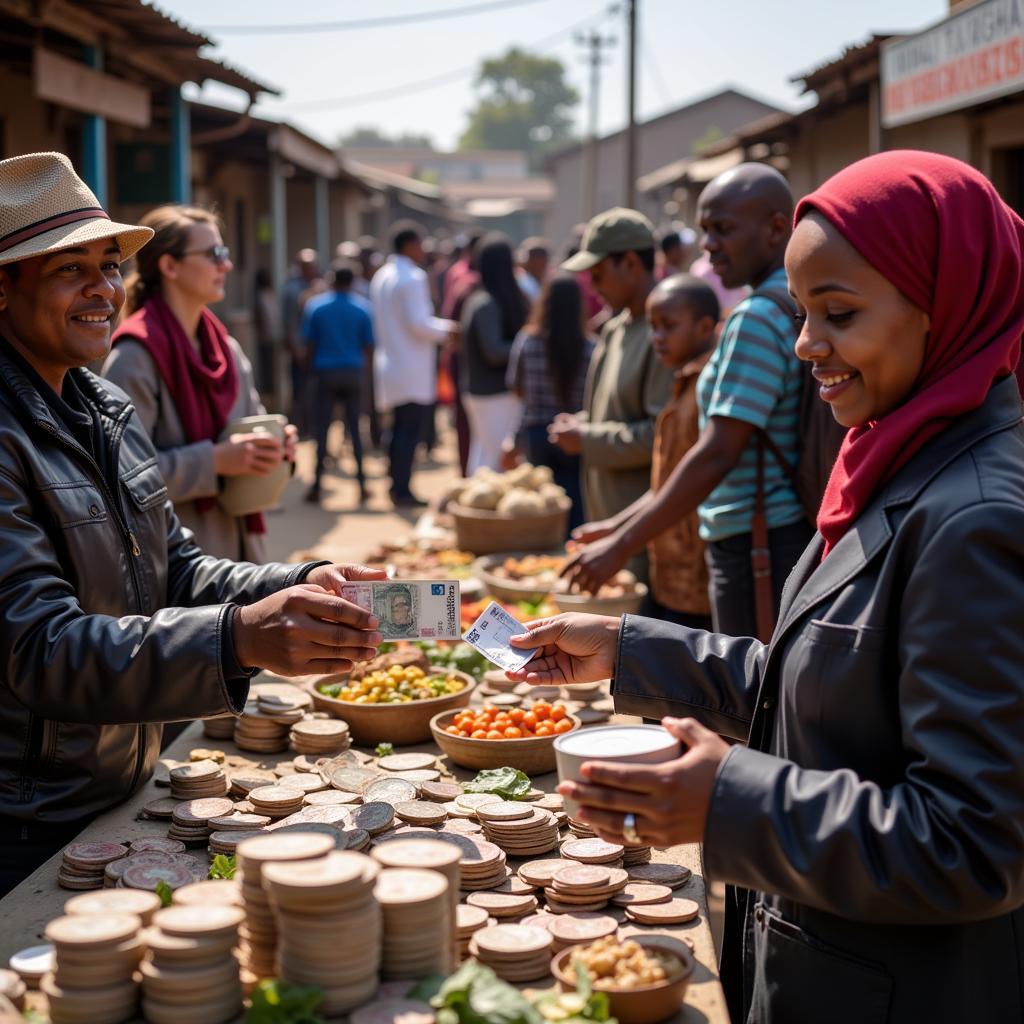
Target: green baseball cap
615	230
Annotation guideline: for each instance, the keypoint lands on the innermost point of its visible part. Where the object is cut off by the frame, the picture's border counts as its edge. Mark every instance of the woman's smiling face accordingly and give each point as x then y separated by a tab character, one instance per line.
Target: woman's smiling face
864	337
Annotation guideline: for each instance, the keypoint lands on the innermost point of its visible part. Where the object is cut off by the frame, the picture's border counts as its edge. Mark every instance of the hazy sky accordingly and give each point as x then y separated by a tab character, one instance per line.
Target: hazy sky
685	51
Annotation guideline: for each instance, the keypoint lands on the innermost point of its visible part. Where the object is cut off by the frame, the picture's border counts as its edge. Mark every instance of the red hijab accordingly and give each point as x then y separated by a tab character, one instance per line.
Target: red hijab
937	229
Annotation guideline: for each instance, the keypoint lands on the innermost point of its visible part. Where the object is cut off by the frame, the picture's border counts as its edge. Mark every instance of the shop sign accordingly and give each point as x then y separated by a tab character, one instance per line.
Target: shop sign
973	56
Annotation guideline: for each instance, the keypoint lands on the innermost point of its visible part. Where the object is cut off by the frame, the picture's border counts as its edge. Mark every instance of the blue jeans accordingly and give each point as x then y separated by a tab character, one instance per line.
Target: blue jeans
407	429
566	468
731	584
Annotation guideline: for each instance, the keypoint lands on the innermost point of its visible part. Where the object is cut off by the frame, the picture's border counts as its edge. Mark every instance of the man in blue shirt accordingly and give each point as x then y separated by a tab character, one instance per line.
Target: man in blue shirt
338	328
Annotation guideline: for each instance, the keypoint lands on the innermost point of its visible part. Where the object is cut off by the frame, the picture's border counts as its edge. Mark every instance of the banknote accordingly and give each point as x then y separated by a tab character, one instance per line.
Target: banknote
490	633
410	609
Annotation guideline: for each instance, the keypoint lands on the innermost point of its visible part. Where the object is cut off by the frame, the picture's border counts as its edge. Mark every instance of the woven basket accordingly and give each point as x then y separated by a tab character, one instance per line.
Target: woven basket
484	533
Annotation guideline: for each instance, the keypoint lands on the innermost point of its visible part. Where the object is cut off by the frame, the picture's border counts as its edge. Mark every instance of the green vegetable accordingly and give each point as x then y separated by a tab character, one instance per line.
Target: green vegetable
331	689
474	994
508	783
387	647
384	749
465	659
223	866
276	1002
165	892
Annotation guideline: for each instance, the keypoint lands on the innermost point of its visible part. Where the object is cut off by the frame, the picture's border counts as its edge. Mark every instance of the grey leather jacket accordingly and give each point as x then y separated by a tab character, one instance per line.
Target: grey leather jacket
875	818
112	621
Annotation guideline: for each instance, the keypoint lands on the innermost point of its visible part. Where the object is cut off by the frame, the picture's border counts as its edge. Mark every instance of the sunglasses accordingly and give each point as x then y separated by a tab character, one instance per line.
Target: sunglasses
216	254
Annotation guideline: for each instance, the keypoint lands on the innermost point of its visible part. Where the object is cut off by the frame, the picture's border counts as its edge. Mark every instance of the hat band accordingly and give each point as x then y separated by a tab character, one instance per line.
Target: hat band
40	227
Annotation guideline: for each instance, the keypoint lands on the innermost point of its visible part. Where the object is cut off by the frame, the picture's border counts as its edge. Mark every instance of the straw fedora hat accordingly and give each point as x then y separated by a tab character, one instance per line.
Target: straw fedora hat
45	207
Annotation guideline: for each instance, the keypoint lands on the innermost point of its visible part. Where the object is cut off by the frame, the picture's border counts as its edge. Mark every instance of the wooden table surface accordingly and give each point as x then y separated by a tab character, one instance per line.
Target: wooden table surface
26	910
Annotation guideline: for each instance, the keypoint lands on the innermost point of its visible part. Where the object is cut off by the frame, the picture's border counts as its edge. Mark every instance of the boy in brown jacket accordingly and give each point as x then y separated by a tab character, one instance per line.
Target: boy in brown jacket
683	314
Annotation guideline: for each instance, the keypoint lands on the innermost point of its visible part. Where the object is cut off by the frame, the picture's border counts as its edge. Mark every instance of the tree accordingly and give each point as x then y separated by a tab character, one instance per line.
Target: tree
367	136
524	103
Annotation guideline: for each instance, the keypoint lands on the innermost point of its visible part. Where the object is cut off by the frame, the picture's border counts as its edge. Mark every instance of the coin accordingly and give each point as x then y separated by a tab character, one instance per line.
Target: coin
501	810
513	940
373	817
330	797
190	921
499	904
582	927
406	762
391	791
115	901
90	855
89	930
440	792
353	780
420	812
640	893
146	876
157	844
591	851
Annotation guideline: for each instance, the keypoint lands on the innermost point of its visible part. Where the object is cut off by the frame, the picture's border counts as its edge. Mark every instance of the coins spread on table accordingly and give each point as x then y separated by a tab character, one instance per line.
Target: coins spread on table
84	863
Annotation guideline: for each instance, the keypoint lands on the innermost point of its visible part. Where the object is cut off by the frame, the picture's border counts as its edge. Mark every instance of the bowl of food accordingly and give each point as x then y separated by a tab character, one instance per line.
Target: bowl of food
492	737
520	575
623	594
393	705
644	976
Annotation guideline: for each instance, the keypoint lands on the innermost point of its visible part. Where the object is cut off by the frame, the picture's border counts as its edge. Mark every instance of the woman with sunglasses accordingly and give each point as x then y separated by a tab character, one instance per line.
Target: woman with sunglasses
188	378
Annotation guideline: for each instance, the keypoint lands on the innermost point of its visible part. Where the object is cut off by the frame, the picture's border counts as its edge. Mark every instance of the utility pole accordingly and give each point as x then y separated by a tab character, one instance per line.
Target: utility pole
595	44
631	103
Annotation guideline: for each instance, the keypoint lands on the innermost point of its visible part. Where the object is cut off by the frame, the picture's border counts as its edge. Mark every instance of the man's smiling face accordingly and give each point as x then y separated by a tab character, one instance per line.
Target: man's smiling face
58	309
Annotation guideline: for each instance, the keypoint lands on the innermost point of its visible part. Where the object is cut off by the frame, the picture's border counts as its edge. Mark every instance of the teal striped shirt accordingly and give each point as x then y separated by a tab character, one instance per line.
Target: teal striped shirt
754	375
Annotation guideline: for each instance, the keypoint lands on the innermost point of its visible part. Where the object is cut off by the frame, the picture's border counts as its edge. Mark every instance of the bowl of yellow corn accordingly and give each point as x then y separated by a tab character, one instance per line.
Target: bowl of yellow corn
393	705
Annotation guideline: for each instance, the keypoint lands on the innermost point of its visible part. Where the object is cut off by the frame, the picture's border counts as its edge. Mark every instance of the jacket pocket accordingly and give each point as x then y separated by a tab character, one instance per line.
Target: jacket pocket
145	485
799	979
76	503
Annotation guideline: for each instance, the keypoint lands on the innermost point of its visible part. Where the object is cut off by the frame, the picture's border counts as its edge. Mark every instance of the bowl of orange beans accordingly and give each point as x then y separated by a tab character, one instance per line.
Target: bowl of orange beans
491	737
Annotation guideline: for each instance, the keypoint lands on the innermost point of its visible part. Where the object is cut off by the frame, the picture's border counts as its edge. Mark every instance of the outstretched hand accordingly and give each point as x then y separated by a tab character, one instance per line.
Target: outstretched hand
574	648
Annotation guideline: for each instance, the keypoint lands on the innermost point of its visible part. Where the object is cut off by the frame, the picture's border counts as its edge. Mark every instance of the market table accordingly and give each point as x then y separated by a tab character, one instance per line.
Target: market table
26	910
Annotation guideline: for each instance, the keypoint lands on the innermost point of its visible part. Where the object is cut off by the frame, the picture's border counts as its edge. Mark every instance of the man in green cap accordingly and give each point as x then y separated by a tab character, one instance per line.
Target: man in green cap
626	386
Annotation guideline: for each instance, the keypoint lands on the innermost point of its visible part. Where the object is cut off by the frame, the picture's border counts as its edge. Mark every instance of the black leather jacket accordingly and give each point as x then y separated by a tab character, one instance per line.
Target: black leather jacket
875	820
112	621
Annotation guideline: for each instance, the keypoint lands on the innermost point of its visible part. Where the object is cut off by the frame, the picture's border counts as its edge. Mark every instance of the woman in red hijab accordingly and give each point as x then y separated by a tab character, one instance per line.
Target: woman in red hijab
188	379
871	820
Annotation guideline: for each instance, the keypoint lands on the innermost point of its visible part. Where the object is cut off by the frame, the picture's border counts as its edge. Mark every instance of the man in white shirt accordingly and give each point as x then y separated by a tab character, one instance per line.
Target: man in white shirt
405	360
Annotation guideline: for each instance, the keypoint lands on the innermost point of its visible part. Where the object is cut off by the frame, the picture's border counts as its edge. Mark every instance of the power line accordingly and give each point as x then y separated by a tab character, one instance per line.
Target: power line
292	28
378	95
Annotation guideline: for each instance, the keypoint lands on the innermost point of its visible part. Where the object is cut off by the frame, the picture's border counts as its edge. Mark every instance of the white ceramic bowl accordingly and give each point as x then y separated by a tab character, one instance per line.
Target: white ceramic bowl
636	744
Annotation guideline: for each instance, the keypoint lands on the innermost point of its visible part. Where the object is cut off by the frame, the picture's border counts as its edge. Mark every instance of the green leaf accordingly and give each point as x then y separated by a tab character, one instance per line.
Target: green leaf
476	995
165	892
384	749
277	1002
508	783
223	866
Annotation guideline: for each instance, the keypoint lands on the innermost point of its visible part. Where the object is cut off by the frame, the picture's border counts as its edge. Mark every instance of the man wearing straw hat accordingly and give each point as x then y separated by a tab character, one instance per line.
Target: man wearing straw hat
112	621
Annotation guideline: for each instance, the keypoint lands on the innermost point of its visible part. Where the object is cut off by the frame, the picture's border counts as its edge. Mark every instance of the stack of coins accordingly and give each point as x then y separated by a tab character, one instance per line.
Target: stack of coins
190	973
226	842
593	851
118	901
630	855
584	887
430	856
672	875
160	809
329	926
319	737
83	864
262	733
330	798
374	817
238	821
174	873
417	923
468	921
580	928
421	812
212	892
190	820
638	894
275	801
440	792
515	952
673	911
468	803
245	780
220	728
305	782
482	864
13	989
258	934
155	844
539	873
519	828
504	904
115	871
198	780
95	956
